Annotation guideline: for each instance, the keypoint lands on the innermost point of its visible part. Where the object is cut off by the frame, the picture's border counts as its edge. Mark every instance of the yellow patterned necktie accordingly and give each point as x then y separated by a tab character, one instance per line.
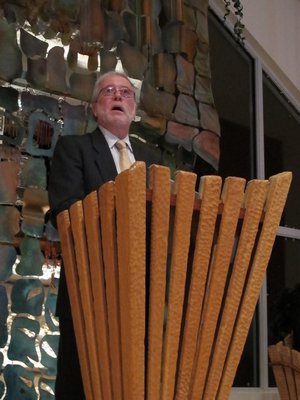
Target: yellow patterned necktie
124	160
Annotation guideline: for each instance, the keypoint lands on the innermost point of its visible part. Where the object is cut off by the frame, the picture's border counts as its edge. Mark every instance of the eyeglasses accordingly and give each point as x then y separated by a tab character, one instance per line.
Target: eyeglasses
112	90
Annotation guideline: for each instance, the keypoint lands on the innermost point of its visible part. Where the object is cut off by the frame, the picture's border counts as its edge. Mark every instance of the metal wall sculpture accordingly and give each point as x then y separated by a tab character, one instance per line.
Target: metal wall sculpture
44	93
160	42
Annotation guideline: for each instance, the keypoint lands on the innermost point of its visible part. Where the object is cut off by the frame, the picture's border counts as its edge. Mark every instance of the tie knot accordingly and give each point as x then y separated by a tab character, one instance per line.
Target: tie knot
121	145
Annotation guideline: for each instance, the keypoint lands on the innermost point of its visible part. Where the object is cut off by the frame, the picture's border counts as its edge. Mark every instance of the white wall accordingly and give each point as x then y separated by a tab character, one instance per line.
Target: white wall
275	24
272	29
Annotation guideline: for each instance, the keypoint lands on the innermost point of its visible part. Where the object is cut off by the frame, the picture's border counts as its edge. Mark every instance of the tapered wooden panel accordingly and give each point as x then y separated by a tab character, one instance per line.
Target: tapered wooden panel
184	191
68	253
296	367
255	198
109	245
278	370
210	189
232	196
163	283
85	291
94	242
160	214
286	358
131	234
285	364
277	194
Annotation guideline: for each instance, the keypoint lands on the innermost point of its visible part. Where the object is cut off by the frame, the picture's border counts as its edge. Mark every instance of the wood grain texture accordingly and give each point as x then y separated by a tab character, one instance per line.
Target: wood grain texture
210	189
278	370
68	254
106	199
232	196
276	198
160	214
185	195
130	188
85	291
254	202
197	280
99	311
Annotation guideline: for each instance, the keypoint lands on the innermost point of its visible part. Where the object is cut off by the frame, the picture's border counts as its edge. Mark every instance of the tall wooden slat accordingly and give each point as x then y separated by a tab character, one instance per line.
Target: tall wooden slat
278	370
196	331
279	187
106	198
160	186
185	197
210	189
131	234
286	358
94	242
296	365
68	254
255	198
85	291
232	197
285	364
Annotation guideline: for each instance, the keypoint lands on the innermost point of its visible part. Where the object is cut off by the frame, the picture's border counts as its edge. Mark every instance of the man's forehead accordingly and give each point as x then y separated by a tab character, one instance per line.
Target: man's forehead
116	80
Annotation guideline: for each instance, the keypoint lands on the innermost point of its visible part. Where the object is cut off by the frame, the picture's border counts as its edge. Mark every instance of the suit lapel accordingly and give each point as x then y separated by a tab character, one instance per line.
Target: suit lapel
102	156
141	153
104	160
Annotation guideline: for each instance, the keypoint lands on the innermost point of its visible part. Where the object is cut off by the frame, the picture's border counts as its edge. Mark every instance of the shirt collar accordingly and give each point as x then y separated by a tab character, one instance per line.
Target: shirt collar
112	139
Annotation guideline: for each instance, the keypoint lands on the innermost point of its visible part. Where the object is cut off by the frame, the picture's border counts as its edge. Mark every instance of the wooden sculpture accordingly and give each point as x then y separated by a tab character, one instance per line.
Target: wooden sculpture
164	282
285	362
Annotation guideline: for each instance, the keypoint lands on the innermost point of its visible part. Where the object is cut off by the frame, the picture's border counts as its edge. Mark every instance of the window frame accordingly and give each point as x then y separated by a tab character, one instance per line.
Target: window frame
261	66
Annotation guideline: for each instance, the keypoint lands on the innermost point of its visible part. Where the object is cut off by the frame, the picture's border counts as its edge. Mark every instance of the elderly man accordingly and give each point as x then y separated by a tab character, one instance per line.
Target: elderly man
81	164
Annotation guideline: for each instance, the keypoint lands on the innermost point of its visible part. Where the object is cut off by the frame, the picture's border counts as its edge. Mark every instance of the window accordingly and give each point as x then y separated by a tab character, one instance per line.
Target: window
232	71
250	149
281	144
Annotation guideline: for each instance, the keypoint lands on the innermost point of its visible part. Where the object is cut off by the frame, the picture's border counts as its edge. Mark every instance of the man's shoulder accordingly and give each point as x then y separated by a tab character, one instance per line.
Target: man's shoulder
77	140
146	151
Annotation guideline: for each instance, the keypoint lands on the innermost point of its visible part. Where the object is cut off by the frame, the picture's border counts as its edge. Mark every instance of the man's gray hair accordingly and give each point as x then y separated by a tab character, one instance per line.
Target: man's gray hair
97	86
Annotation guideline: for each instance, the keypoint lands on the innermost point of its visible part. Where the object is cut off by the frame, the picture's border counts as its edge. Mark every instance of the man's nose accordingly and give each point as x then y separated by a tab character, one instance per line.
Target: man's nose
117	93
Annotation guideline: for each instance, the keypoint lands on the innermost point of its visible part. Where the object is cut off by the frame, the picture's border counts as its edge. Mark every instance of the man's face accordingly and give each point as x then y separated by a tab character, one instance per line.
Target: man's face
114	110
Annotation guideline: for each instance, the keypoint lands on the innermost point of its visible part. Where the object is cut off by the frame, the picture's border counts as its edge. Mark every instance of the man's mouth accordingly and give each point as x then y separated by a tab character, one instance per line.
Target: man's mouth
118	108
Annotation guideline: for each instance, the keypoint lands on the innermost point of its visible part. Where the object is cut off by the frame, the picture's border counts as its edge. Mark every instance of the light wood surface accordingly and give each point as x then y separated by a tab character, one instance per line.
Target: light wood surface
164	281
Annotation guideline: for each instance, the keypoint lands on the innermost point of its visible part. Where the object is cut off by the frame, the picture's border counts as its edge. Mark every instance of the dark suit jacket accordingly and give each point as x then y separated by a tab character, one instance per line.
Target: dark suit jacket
80	165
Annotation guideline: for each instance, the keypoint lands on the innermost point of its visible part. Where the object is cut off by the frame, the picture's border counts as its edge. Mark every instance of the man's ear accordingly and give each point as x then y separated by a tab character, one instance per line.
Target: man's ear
93	107
135	111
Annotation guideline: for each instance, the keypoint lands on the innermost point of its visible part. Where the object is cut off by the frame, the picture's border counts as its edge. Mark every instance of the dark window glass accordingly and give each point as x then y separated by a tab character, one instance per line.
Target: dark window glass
282	146
233	89
282	143
232	84
283	286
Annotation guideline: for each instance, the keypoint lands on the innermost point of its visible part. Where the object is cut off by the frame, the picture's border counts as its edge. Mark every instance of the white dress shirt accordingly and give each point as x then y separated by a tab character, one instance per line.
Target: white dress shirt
111	141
